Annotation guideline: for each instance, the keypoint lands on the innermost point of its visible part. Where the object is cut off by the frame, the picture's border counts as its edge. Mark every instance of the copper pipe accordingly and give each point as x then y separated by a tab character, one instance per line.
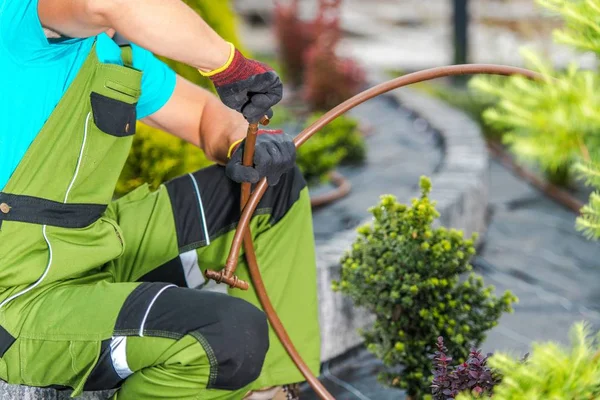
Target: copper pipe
242	232
556	193
226	274
415	77
342	189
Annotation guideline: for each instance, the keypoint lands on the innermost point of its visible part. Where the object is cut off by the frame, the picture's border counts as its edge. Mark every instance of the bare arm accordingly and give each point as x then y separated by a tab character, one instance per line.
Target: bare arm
198	117
166	27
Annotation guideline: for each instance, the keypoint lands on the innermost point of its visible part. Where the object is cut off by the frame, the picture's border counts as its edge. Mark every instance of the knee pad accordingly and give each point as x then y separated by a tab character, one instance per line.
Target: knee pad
233	332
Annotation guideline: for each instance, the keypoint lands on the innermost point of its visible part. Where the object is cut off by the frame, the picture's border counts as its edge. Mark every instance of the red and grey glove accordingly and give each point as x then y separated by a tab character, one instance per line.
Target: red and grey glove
247	86
274	155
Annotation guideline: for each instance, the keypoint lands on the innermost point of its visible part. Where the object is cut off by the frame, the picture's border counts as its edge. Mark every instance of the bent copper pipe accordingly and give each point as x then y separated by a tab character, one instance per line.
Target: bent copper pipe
342	189
242	232
226	275
416	77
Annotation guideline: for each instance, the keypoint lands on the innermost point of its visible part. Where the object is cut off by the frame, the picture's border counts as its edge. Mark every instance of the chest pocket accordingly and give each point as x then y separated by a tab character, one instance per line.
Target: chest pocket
113	117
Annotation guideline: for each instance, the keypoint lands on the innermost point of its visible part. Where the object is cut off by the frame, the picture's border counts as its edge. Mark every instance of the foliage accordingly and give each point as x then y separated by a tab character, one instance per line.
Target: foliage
295	37
329	79
473	375
554	123
408	274
308	52
551	371
339	142
589	221
550	122
156	156
582	19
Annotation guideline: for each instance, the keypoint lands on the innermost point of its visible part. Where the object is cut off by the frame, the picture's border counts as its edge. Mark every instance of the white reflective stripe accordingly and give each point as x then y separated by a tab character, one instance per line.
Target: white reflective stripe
85	134
191	269
201	209
141	333
50	255
118	356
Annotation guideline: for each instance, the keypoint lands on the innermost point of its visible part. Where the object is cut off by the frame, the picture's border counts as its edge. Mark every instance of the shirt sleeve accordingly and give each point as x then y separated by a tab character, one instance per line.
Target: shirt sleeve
22	35
158	81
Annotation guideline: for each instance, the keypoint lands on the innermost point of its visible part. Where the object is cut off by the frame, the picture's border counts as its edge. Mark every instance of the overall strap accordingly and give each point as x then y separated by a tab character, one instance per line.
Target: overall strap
126	51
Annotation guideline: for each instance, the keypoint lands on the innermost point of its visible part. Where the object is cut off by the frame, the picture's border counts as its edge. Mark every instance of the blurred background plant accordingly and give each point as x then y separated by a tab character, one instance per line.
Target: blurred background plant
555	123
407	273
156	156
340	142
308	55
294	37
551	371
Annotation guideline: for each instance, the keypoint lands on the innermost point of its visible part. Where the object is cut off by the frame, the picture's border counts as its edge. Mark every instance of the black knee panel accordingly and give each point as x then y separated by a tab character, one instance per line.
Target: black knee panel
221	203
241	345
233	332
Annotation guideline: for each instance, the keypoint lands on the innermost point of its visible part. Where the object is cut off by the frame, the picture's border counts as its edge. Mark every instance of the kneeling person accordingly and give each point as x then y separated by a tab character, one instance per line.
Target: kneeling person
100	294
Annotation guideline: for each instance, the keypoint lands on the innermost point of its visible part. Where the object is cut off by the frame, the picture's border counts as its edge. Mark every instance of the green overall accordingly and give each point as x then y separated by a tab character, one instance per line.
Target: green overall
96	294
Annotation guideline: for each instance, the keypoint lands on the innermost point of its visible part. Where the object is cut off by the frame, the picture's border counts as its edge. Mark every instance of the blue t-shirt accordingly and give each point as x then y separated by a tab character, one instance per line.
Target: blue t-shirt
35	73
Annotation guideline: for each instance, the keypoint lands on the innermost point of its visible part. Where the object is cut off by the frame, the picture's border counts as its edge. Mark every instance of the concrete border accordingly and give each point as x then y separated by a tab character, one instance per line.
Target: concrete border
460	187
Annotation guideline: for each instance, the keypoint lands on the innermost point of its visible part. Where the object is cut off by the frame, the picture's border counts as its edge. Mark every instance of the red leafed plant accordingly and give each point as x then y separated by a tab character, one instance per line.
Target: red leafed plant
329	79
295	37
471	376
308	53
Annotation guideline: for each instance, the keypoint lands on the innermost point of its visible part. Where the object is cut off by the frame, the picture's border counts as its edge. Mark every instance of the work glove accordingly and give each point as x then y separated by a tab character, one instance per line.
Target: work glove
274	155
247	86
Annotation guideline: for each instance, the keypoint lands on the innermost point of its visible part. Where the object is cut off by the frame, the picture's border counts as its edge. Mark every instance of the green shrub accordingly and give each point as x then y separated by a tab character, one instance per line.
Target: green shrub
549	122
551	371
582	19
156	156
589	221
408	274
555	123
339	142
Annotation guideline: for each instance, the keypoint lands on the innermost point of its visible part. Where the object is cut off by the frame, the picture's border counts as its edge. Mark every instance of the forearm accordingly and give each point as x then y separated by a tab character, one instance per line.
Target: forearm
197	116
166	27
219	129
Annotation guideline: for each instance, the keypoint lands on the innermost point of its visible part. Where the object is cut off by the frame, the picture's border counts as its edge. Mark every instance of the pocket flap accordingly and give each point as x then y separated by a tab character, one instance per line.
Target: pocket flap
113	117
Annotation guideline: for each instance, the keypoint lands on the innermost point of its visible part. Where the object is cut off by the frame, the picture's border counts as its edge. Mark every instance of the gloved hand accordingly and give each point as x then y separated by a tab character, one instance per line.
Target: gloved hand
274	155
247	86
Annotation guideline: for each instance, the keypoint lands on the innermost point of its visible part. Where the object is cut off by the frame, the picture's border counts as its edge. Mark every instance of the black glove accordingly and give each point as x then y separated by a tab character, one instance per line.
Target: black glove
248	86
274	155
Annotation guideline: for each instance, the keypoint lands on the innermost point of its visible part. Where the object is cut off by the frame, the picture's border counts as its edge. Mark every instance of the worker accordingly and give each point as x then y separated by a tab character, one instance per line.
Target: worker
100	294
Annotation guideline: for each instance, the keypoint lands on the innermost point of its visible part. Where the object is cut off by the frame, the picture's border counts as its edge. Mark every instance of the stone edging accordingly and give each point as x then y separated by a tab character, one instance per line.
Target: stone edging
460	187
